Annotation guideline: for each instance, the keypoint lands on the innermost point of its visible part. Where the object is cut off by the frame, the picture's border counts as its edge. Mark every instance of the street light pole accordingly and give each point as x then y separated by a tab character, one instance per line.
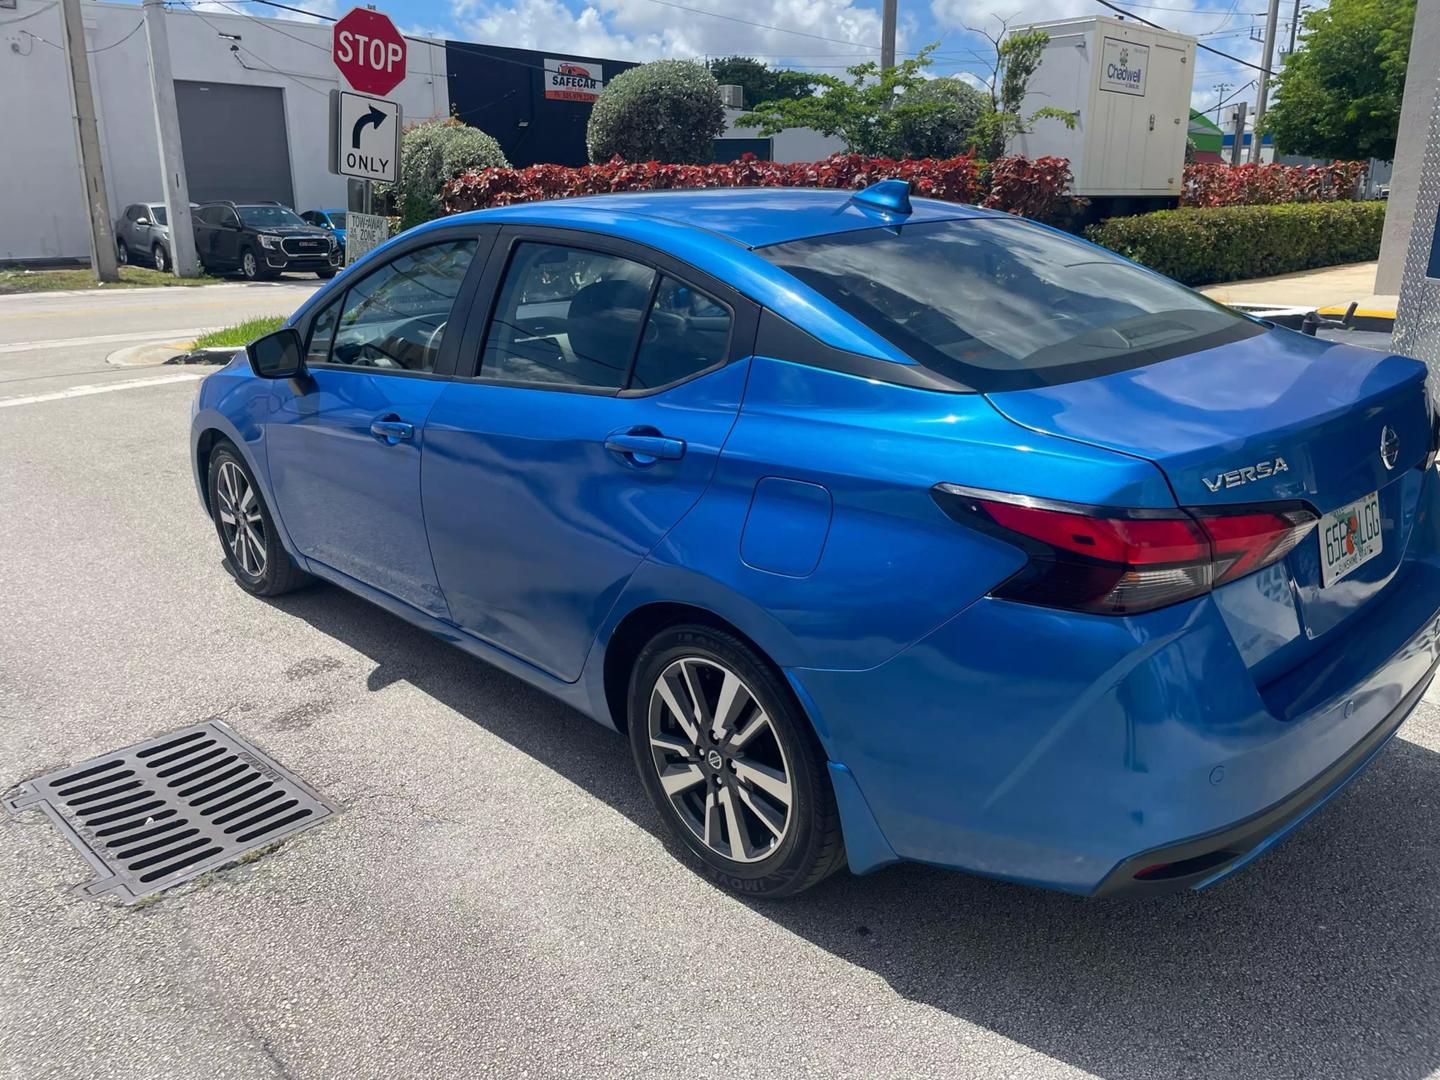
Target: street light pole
1261	95
87	142
167	132
887	34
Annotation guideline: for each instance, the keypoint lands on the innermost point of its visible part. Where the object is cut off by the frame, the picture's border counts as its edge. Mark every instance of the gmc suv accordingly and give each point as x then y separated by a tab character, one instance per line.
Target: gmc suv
262	240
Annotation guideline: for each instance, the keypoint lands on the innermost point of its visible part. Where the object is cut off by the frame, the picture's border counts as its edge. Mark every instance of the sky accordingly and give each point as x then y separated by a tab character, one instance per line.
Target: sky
816	35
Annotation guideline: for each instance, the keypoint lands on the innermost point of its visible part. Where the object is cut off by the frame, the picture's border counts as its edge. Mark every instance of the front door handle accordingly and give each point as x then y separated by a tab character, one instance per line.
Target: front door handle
645	447
391	430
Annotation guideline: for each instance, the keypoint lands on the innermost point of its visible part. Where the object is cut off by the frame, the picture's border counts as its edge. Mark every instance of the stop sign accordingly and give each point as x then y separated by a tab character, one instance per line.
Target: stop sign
369	51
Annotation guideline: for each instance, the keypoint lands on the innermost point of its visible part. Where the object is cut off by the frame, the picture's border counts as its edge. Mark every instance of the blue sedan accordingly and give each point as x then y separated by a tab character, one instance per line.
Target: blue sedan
885	528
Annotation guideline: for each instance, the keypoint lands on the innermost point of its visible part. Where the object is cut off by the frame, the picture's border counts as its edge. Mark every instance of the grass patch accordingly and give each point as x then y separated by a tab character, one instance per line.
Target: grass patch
131	277
241	334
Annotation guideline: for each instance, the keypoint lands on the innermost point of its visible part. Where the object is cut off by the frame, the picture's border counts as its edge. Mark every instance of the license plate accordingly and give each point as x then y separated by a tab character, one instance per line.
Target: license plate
1349	537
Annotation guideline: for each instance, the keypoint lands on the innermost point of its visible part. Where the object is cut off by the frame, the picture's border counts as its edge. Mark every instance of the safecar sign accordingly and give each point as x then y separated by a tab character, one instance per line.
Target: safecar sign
365	137
573	80
369	51
1122	67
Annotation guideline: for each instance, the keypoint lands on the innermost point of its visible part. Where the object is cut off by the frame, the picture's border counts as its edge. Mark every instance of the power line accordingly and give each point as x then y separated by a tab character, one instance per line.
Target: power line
37	11
1198	44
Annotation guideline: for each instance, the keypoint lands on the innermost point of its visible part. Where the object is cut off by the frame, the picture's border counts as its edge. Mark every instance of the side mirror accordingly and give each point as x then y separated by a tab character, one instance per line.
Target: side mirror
233	226
142	221
277	355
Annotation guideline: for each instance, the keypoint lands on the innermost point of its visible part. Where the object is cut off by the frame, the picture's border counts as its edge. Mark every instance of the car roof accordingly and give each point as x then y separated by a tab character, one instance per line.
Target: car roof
752	217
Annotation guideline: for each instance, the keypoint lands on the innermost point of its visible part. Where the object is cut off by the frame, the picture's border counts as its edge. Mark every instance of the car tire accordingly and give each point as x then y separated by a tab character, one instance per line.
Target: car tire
325	275
252	268
161	258
753	809
122	254
253	552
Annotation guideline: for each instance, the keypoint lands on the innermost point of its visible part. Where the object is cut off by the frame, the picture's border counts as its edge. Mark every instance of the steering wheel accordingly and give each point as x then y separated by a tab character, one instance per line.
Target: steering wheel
666	324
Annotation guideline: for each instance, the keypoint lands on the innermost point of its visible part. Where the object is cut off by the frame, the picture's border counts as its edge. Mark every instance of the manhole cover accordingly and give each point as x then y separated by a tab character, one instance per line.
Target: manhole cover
160	812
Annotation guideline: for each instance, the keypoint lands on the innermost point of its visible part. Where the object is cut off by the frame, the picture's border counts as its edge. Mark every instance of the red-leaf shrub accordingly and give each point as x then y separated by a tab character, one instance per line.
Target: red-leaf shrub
1208	184
1033	188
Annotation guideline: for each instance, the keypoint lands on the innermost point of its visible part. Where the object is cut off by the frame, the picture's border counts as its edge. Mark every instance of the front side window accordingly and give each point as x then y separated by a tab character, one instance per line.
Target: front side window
394	319
269	217
158	216
1001	304
568	317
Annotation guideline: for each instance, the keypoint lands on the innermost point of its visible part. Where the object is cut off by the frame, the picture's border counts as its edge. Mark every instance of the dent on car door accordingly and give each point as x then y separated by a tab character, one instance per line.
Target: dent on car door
605	390
345	440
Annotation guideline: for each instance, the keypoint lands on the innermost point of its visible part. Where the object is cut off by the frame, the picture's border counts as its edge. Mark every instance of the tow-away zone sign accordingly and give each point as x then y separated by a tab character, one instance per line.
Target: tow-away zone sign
364	136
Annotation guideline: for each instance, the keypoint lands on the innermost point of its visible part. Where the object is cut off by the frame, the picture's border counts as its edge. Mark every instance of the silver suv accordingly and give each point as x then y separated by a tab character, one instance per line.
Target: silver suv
142	235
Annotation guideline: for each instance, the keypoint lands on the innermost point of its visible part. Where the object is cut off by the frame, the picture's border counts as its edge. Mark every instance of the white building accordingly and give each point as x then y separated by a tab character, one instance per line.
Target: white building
253	97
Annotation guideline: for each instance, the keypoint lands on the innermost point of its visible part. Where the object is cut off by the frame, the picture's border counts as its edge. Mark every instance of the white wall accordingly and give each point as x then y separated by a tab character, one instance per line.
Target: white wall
792	144
41	206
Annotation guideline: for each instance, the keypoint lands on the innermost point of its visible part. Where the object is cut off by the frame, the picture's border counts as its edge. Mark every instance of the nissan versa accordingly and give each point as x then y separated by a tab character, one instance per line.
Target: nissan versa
886	529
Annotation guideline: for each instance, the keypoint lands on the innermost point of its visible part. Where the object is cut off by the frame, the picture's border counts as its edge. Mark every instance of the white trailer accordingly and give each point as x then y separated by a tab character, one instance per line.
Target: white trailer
1129	88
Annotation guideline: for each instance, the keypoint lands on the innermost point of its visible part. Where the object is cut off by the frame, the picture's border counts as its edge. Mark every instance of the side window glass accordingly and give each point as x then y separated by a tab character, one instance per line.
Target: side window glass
230	217
132	213
567	317
686	332
322	334
394	319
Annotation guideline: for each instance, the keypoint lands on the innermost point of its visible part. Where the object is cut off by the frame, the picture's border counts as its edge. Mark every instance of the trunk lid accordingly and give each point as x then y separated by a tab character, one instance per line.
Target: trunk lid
1276	417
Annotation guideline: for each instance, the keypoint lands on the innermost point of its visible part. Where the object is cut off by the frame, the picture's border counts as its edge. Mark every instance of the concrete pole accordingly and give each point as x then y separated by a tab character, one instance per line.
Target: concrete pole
183	262
887	34
87	142
1261	95
1239	141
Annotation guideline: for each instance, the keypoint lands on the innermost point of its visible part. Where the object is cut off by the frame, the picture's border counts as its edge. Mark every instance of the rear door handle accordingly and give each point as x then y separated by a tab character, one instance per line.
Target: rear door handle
391	430
645	449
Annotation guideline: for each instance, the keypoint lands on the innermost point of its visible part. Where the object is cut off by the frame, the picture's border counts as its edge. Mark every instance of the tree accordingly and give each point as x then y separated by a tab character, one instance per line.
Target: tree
880	113
431	154
760	82
1016	58
1339	93
666	110
946	132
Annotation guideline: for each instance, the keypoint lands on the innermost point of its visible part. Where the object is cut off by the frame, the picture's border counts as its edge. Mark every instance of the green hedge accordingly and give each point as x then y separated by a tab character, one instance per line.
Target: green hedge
1203	245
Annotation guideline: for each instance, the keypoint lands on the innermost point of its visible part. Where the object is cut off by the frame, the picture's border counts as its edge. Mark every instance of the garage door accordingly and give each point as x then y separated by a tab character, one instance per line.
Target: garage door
234	142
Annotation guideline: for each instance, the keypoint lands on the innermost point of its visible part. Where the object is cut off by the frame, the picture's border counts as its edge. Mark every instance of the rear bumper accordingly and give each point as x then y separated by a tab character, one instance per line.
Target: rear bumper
1073	752
1204	860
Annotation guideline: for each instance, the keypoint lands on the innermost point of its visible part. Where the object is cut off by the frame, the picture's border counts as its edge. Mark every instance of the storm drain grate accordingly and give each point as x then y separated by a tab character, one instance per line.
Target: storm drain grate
162	811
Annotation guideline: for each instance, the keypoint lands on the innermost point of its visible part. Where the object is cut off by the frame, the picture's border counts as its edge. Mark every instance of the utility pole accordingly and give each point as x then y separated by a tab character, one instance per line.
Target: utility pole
1295	25
1220	89
1239	134
1261	95
887	35
87	142
167	132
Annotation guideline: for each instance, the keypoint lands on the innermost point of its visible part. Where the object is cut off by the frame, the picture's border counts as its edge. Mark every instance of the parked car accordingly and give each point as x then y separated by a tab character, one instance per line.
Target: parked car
142	235
885	528
333	220
262	240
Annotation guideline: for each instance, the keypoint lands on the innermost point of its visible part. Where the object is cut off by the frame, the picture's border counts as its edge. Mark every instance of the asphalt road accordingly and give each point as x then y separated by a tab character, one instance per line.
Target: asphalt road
493	898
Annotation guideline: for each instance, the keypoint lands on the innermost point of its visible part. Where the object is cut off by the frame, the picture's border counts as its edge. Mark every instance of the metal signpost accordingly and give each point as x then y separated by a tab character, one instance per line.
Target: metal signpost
365	128
1417	316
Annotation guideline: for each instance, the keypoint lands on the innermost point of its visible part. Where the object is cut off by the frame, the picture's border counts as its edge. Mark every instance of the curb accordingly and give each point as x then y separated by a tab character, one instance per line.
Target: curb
176	352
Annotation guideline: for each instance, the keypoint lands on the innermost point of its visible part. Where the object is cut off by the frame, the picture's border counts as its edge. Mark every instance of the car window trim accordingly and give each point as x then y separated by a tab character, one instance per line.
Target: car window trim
484	237
744	312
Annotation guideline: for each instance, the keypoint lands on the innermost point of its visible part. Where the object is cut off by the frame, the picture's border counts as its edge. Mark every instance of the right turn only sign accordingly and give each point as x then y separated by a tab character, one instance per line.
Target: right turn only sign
365	137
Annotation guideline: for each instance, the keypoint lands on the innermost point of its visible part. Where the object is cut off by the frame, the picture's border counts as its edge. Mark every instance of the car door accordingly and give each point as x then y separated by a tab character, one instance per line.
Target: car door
601	388
206	222
227	237
345	441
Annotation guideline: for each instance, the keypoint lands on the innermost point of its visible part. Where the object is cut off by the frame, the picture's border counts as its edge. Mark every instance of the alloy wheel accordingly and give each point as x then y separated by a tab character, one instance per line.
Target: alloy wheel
240	519
248	265
162	262
122	254
719	759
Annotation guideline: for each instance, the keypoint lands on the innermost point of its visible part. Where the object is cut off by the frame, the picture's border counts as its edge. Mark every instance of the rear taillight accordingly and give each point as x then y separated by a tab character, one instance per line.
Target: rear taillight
1119	562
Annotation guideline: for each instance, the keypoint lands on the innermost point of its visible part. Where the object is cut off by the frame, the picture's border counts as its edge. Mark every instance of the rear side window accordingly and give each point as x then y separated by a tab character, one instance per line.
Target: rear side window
585	319
1001	304
566	316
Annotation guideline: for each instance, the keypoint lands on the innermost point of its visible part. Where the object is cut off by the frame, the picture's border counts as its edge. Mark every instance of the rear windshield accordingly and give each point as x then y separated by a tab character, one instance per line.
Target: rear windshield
268	217
1002	304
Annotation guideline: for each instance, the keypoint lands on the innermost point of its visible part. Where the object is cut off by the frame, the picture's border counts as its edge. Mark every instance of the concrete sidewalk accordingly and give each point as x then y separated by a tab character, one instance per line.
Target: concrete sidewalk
1329	290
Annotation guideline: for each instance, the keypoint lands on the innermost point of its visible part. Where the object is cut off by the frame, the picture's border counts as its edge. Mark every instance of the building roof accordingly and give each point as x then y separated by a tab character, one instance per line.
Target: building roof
752	217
